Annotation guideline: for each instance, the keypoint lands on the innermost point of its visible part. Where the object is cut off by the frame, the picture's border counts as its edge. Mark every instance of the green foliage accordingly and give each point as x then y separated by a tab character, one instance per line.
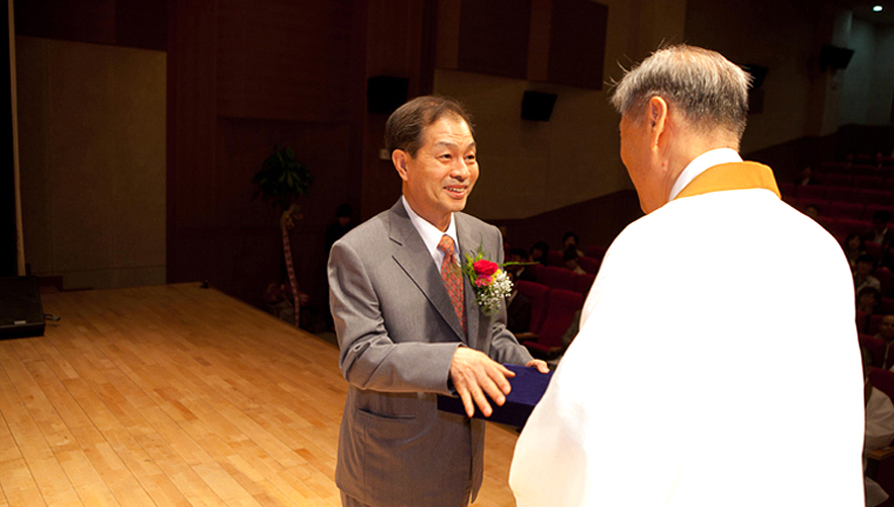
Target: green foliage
282	179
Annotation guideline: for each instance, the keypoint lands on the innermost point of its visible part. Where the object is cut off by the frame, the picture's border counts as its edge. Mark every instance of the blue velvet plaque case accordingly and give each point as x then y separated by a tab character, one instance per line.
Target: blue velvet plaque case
528	387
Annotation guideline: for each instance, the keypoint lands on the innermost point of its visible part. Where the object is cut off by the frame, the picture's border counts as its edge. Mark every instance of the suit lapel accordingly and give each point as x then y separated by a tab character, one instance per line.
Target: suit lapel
468	245
415	259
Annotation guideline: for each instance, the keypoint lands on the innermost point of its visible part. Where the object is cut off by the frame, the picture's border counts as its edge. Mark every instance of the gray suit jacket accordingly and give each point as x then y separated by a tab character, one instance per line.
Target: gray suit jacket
397	332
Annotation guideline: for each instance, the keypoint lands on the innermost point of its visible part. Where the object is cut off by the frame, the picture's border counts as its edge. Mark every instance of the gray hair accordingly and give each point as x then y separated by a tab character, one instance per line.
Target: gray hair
710	91
404	128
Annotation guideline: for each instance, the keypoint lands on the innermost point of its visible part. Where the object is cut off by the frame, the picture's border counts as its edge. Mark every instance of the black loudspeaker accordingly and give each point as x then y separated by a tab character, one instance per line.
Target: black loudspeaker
538	106
21	313
834	57
384	94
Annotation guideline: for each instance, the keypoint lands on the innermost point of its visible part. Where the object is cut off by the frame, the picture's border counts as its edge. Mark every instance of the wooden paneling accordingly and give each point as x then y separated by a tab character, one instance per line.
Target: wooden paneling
538	49
447	56
244	77
92	151
493	37
596	221
129	23
284	60
400	42
577	43
556	41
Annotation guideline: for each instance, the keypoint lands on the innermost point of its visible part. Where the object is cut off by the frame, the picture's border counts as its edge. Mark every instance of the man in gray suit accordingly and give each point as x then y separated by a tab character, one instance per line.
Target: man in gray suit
409	328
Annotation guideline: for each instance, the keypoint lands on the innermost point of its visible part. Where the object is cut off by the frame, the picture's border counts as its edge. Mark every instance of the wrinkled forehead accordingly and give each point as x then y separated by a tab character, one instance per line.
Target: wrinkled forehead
448	129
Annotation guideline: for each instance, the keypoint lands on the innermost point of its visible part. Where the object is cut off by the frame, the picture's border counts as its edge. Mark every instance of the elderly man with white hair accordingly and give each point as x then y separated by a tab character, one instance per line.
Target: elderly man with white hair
717	361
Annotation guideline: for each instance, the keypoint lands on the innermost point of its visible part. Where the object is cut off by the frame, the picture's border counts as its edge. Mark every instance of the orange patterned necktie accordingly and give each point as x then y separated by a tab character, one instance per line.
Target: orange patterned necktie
453	278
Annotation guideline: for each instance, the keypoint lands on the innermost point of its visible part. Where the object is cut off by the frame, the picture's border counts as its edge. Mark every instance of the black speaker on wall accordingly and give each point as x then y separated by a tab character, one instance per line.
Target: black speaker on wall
21	313
834	57
538	106
384	94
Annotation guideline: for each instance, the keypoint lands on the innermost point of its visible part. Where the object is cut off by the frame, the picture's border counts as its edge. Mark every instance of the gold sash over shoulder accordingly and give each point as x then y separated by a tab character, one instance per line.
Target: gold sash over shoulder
732	176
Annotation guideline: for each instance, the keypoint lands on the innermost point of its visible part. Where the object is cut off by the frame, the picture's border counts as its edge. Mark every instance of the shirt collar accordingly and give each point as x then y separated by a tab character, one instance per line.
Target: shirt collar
430	234
700	164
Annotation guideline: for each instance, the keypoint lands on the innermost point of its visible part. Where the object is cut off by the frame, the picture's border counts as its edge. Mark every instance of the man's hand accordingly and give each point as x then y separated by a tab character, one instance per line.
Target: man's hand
474	374
539	364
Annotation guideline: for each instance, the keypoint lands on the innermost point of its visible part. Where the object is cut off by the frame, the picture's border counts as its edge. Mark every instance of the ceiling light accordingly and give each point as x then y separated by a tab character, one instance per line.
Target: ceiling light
877	8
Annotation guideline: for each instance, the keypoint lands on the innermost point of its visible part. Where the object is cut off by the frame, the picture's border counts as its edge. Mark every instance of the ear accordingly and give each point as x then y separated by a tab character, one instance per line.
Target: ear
399	158
656	116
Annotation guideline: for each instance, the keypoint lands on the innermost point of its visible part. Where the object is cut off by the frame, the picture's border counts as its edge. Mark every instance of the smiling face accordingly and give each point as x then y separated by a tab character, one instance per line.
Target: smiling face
439	179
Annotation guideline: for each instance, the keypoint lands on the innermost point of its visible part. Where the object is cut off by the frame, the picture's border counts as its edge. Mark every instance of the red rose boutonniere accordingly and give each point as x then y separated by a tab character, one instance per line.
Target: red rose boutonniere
492	285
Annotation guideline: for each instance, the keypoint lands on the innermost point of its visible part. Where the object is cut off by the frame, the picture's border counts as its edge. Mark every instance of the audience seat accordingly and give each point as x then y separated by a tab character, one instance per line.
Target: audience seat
874	196
845	210
786	189
538	295
847	226
555	258
871	209
804	203
560	313
876	346
836	179
828	223
555	277
584	282
863	322
880	465
864	169
874	321
884	278
870	182
595	252
816	192
844	194
873	249
589	264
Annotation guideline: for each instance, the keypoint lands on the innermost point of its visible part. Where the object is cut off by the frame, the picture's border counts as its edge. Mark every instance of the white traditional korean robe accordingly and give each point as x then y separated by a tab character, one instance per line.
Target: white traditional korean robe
717	364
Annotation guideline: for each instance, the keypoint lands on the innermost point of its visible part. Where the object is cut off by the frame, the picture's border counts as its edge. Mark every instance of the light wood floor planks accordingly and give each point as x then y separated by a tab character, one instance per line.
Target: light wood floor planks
178	396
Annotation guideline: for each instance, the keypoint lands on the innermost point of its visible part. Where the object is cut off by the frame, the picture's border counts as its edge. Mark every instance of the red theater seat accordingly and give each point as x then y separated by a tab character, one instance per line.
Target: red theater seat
557	278
562	309
538	294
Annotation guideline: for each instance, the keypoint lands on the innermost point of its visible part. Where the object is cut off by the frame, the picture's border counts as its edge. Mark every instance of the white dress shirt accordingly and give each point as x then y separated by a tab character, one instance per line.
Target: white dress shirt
431	235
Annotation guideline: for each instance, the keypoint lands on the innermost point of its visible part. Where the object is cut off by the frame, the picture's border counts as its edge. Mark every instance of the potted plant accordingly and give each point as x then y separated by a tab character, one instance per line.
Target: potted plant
280	182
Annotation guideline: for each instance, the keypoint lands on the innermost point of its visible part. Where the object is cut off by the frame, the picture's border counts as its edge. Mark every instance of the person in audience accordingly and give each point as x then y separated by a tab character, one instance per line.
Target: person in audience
806	177
888	257
886	333
880	233
854	247
570	259
868	300
518	309
863	273
879	427
570	239
520	271
540	253
813	211
340	227
637	413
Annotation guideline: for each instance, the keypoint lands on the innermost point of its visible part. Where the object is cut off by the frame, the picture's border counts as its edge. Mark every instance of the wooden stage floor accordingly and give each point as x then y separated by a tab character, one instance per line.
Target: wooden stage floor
177	395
